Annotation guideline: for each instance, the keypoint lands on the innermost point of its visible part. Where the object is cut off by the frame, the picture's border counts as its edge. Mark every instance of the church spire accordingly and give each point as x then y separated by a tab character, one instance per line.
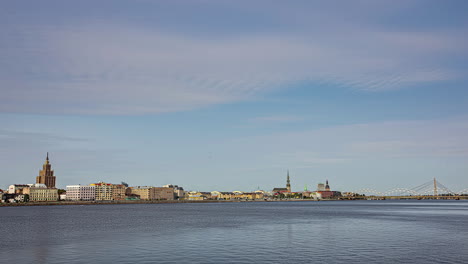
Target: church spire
288	183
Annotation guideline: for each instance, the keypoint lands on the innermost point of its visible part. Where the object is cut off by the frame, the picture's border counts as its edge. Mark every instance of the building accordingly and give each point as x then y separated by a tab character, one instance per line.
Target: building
40	193
324	191
14	198
321	187
46	175
246	196
81	193
104	191
198	196
118	192
236	195
32	192
142	191
153	193
162	193
16	188
178	191
260	194
284	190
217	195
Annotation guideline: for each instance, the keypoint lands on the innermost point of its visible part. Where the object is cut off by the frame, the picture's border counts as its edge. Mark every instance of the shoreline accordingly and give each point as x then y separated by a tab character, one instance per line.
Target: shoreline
141	202
61	203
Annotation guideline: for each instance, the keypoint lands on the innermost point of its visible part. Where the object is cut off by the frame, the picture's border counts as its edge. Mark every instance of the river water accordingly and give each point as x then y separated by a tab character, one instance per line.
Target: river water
244	232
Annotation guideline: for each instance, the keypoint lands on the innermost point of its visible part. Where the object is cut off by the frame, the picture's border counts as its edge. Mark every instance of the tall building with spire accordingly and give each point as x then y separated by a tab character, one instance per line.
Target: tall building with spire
284	190
46	175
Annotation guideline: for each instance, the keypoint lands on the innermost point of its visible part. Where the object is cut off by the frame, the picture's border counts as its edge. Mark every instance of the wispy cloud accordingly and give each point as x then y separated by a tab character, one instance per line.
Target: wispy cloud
122	68
419	139
276	119
10	138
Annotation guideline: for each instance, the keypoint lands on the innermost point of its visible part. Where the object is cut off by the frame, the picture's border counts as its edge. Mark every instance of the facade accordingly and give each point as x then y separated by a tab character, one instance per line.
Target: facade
153	193
216	195
236	195
16	188
245	196
81	193
162	193
104	191
198	196
40	193
321	187
225	196
142	191
324	191
260	194
46	175
178	191
118	192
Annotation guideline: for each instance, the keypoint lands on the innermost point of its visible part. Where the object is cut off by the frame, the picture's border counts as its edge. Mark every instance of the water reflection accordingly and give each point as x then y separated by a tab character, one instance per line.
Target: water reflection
372	231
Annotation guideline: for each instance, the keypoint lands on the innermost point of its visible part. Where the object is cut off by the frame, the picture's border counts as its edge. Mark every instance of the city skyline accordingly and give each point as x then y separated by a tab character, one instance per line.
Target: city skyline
230	95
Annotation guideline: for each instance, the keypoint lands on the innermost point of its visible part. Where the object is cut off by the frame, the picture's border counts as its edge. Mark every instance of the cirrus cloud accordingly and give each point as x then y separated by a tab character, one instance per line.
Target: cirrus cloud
117	67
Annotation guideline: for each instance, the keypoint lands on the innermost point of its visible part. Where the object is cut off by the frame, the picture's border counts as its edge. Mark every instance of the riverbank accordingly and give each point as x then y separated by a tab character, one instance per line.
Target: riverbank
186	201
139	202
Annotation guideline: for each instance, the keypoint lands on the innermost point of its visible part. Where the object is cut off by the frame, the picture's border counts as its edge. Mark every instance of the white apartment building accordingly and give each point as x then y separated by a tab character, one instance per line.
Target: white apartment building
81	193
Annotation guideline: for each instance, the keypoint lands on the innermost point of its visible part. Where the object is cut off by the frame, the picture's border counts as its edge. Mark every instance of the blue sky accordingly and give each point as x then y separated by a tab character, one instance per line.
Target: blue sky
228	95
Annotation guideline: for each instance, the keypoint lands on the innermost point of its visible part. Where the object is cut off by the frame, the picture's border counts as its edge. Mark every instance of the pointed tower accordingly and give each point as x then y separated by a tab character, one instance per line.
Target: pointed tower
327	187
288	183
46	175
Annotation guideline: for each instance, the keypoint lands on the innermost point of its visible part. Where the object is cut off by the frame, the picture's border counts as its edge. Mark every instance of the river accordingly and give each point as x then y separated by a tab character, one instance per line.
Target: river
245	232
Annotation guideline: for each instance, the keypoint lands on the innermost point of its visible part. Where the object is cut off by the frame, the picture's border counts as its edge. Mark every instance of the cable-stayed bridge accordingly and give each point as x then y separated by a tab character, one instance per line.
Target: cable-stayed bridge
431	189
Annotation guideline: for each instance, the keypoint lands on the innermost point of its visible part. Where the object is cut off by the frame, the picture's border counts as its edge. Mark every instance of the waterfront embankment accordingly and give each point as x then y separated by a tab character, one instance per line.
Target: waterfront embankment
204	201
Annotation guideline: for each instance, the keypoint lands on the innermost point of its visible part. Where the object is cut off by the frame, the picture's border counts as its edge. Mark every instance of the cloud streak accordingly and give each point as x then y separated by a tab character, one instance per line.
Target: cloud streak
332	146
119	68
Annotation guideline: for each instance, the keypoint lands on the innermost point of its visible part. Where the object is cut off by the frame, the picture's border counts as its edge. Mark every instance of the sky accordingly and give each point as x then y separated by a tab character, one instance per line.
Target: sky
229	95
